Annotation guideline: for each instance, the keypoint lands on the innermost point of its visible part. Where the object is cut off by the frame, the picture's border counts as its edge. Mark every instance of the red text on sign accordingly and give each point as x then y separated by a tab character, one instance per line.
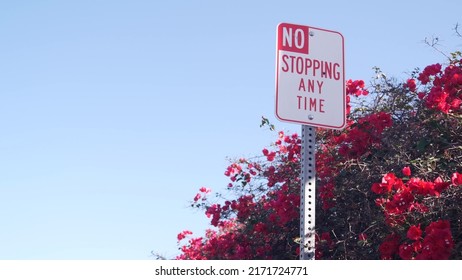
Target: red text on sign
310	85
312	67
310	104
293	38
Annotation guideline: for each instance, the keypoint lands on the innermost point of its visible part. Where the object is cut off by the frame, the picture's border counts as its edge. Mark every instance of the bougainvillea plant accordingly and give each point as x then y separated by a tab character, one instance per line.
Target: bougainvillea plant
389	185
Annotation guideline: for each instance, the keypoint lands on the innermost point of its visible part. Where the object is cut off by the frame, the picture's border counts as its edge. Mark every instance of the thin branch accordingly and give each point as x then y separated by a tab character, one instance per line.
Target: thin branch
456	29
433	44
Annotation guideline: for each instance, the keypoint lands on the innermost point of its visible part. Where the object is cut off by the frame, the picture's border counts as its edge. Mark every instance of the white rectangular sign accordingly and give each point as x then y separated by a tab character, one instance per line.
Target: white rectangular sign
310	76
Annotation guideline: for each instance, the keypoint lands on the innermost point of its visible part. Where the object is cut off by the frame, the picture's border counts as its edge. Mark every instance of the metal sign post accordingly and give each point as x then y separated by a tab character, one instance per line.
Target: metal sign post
307	193
310	90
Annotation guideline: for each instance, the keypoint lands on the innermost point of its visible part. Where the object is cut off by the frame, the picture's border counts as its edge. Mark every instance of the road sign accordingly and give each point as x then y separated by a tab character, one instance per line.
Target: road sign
310	76
310	90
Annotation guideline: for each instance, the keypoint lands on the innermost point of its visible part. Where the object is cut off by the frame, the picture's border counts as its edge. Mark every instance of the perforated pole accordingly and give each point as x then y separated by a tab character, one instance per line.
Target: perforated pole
307	193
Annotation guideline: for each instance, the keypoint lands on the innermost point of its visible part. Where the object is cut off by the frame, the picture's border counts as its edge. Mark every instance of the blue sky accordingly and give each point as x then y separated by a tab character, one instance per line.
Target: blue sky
114	113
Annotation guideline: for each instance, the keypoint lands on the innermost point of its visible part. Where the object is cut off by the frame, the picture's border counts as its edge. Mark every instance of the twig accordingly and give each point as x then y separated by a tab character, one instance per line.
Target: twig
433	44
456	29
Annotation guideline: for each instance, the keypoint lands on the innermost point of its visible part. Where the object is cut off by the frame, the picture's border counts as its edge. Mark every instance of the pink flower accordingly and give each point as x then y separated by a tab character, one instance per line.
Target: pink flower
271	156
205	190
182	235
356	87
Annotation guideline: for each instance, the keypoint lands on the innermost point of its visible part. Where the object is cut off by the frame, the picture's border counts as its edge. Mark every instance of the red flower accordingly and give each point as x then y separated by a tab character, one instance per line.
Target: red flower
414	233
417	246
433	69
389	179
379	188
437	244
183	234
406	251
389	247
260	227
456	103
270	156
402	201
205	190
430	70
410	83
406	171
440	186
456	179
356	87
197	197
438	225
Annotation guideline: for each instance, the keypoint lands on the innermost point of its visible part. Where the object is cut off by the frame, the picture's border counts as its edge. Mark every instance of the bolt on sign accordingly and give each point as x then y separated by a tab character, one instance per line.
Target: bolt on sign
310	76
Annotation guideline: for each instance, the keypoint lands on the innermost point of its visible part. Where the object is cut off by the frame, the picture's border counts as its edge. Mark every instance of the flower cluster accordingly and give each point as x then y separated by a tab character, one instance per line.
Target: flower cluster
411	85
403	197
182	235
358	140
436	245
363	135
354	88
258	216
217	244
445	94
203	191
363	210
